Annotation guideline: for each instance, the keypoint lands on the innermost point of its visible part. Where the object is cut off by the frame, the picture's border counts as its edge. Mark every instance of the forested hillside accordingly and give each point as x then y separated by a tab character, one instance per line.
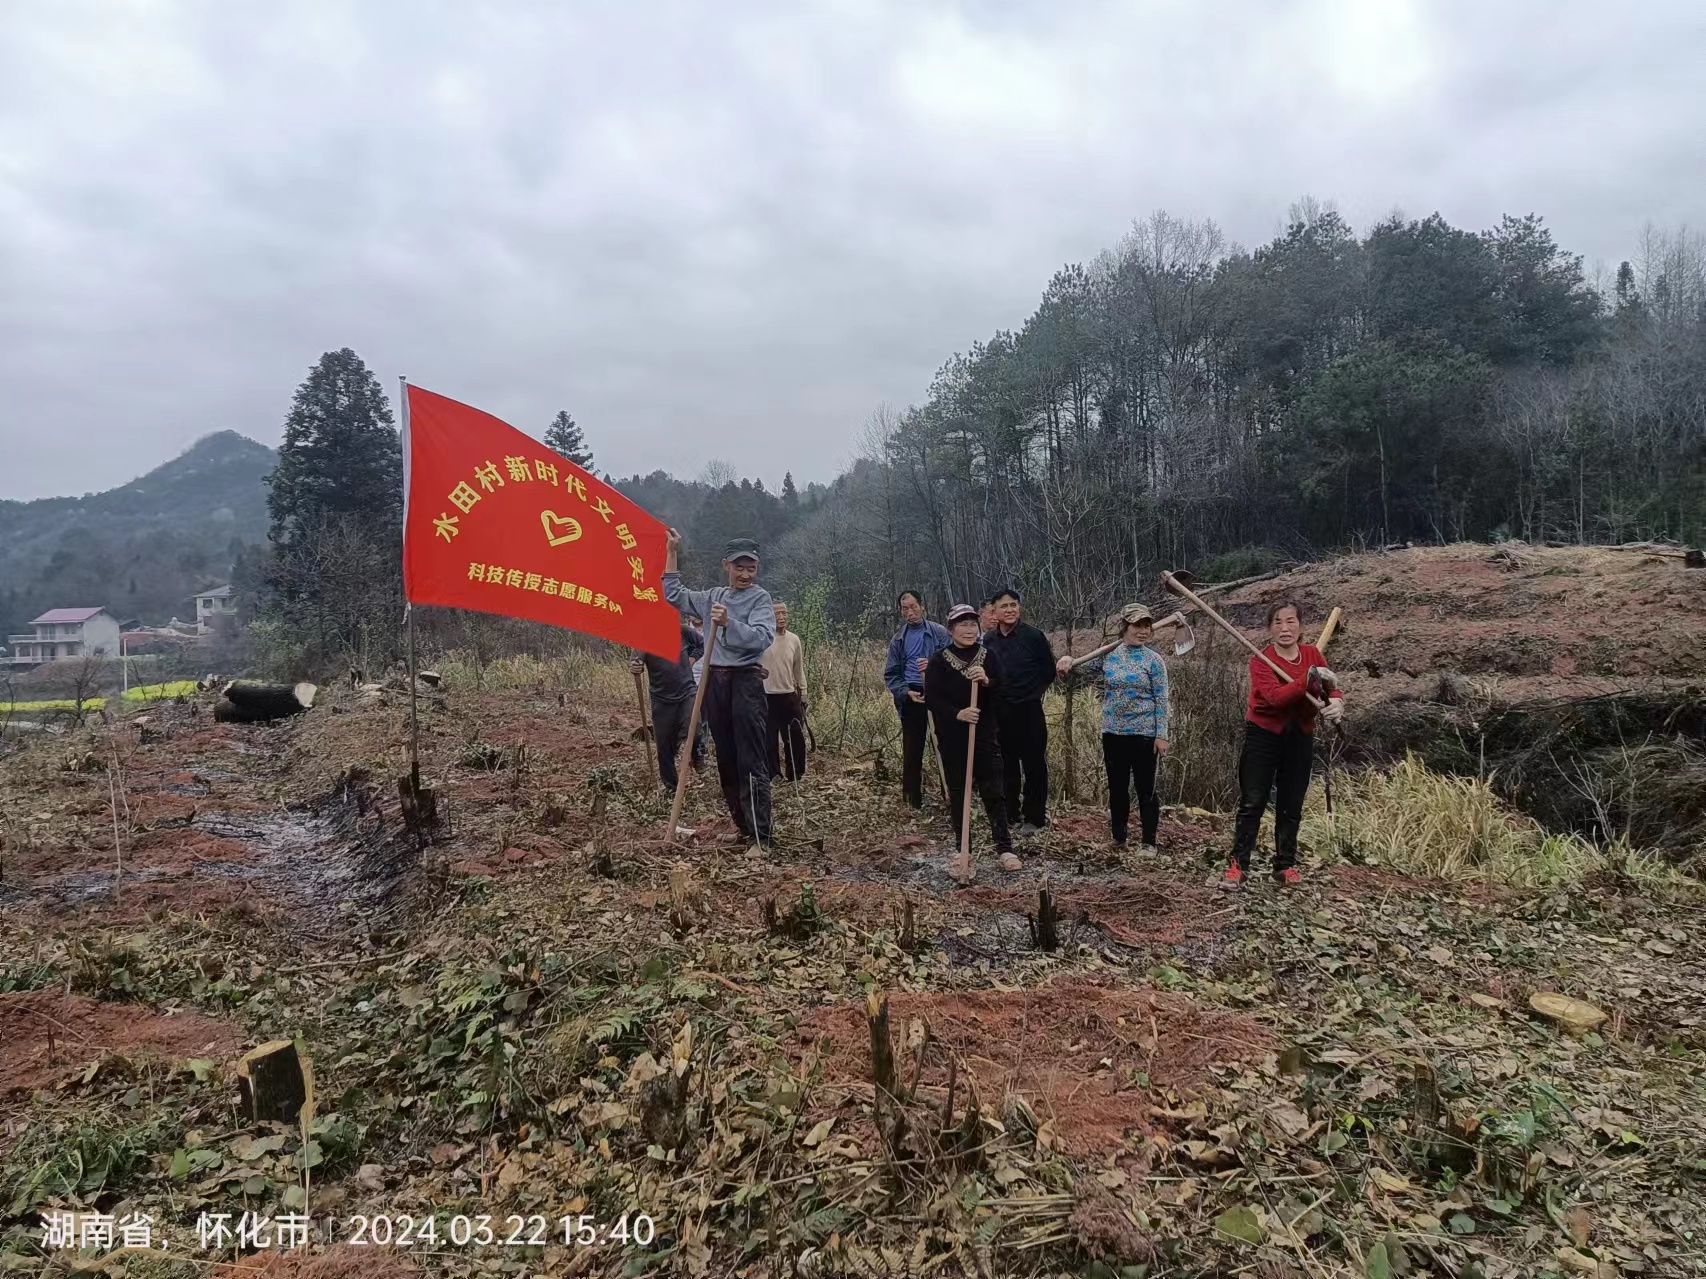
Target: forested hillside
141	549
1178	400
1179	397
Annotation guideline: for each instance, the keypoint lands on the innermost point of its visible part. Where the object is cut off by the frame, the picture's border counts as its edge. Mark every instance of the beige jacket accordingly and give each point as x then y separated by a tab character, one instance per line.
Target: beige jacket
784	665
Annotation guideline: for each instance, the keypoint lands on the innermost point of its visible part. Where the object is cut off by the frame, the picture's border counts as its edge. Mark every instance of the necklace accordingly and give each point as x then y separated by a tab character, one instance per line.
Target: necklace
962	665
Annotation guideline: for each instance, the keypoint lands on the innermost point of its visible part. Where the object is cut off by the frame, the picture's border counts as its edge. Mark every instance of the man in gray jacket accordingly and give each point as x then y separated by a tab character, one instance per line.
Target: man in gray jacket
740	623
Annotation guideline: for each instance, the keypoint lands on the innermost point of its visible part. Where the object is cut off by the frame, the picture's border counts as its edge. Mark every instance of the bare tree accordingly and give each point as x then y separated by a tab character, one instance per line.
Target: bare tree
84	678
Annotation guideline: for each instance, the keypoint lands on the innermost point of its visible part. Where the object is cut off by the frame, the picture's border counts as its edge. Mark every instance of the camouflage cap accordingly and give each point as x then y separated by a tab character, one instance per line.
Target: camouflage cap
1131	614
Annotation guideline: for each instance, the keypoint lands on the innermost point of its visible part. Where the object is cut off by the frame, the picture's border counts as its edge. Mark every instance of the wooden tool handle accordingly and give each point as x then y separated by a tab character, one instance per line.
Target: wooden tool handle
692	732
1172	619
965	801
1175	585
1094	654
646	728
1329	630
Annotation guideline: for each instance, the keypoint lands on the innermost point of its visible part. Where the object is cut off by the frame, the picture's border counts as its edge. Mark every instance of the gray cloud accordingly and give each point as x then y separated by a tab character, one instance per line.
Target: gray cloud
724	230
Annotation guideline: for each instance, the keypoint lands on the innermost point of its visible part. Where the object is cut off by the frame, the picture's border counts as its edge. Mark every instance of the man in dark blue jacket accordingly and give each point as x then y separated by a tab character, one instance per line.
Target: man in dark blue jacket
910	652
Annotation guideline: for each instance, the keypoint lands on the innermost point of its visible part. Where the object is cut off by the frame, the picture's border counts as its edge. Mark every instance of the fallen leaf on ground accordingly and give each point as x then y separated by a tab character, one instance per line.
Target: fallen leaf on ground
1240	1223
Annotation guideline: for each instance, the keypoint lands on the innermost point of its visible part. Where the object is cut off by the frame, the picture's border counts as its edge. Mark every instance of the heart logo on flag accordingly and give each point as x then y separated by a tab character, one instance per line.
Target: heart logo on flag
559	528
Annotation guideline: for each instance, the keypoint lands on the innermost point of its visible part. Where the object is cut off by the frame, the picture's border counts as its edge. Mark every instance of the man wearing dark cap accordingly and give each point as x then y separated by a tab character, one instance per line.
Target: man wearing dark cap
740	623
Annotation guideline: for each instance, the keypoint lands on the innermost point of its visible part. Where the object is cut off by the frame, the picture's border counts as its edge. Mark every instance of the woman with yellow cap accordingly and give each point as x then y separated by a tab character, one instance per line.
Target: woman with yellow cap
1134	721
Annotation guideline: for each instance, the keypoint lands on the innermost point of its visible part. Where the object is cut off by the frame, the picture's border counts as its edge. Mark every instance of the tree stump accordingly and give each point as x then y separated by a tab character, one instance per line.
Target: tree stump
270	1082
882	1046
1045	924
419	803
687	900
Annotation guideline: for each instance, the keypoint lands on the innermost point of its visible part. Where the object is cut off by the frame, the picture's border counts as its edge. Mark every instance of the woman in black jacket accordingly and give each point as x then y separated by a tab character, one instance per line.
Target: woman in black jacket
948	683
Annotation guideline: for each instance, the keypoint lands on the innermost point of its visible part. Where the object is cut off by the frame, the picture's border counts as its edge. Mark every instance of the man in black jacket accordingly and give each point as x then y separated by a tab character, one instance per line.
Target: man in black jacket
1022	661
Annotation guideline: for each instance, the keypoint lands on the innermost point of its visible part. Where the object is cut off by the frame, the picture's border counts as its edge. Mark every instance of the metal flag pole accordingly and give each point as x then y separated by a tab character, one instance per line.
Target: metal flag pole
414	706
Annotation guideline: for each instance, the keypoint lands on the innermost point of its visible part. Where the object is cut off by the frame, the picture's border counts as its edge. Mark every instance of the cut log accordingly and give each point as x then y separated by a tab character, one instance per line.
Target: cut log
268	701
225	712
270	1082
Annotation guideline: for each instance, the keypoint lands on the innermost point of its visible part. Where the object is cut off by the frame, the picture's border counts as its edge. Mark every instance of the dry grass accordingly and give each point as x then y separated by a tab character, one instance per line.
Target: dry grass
1410	819
851	710
852	713
571	672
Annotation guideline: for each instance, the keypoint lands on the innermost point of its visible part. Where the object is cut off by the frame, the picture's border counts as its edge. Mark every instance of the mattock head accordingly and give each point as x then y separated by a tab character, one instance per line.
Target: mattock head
1188	641
1182	576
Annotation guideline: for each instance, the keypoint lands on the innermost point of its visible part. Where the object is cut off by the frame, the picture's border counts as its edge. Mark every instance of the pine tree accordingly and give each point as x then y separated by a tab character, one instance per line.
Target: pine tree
790	494
334	586
340	456
564	438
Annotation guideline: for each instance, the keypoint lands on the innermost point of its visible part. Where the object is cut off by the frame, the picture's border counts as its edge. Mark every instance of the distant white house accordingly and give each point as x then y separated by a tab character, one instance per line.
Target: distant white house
65	632
213	604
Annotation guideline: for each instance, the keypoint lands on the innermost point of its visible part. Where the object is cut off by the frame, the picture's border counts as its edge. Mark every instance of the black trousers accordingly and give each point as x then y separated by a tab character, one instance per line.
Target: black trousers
669	726
740	726
1276	764
914	727
1024	753
787	735
987	775
1131	758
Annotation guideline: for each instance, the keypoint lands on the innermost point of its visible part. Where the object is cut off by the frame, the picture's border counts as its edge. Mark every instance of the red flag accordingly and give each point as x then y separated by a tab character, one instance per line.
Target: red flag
495	521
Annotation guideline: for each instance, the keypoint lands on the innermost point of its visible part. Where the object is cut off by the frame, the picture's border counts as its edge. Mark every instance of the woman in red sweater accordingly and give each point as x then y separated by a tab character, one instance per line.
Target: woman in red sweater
1279	742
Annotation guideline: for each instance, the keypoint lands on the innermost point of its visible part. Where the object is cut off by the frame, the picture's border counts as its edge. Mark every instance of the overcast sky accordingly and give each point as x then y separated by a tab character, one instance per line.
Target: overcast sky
725	230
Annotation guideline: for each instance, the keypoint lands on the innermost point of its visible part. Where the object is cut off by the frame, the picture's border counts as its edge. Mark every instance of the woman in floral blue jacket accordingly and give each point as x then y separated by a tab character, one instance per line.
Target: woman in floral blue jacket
1134	721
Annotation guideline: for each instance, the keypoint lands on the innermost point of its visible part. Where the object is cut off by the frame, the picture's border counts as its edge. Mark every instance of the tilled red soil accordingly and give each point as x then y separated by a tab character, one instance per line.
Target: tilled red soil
50	1036
1157	909
1542	622
1077	1051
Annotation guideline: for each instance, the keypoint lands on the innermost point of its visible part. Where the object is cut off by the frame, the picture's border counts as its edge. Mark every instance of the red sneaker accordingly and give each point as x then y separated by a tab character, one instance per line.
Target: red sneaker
1290	877
1233	877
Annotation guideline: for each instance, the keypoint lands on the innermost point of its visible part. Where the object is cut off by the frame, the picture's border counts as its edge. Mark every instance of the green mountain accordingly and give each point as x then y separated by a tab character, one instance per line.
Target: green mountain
142	549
